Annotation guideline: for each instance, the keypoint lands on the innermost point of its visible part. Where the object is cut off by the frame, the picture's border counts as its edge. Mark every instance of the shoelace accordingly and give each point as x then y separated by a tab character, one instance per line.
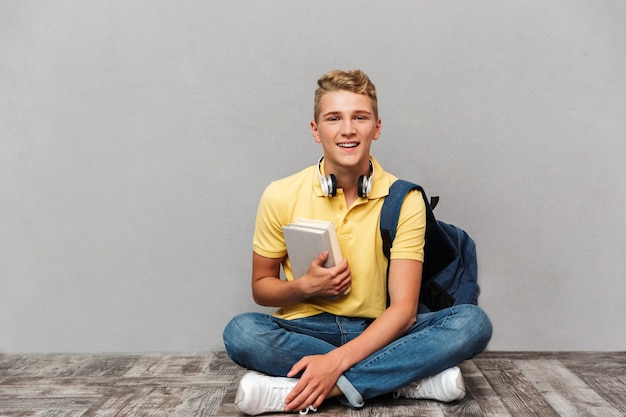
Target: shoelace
277	401
306	410
285	389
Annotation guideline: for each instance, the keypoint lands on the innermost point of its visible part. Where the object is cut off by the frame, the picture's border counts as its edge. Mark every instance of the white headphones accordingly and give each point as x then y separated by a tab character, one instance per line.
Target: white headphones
329	184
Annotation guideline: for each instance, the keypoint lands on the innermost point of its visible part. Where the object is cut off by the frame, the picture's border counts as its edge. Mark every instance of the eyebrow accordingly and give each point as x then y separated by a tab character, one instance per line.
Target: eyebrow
337	112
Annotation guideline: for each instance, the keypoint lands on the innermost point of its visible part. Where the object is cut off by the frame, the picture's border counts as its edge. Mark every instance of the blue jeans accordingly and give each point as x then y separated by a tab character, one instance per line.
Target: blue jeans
437	341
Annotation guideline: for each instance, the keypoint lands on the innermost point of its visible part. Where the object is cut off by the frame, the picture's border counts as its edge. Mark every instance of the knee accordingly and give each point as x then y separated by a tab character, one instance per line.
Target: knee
235	327
476	327
228	334
239	332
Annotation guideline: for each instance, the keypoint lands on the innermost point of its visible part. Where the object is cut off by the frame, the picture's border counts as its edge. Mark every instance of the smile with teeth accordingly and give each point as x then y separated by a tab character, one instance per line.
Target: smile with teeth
347	145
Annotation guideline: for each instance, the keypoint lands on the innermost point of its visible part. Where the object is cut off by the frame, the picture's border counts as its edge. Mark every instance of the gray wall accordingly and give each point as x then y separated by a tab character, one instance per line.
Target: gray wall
136	139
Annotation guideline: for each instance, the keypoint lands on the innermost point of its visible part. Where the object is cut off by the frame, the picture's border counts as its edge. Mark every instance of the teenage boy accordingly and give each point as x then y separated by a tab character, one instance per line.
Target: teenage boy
322	343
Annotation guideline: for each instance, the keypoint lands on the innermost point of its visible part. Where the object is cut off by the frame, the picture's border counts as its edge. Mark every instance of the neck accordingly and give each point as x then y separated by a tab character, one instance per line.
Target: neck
349	181
347	176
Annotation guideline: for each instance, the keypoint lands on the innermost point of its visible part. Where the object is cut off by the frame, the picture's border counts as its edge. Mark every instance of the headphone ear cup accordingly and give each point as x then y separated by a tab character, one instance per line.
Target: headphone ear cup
365	186
332	185
362	184
324	184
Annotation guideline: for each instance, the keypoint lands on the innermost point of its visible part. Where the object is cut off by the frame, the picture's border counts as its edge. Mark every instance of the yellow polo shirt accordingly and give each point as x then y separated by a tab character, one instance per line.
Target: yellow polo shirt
357	227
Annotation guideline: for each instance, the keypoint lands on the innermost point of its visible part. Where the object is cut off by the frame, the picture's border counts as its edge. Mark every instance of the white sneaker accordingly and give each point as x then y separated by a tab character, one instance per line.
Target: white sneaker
258	394
446	386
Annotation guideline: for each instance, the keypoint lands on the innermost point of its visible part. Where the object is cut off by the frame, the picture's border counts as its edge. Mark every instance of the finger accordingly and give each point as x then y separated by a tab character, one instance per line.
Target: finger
339	269
345	278
297	368
294	394
303	401
321	259
347	284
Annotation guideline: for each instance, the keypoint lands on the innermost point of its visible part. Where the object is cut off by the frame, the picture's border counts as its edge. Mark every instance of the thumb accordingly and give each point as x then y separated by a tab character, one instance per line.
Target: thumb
297	368
321	259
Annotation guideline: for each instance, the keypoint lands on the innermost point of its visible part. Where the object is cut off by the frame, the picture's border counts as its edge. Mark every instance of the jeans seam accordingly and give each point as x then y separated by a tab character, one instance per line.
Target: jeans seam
292	326
406	339
380	355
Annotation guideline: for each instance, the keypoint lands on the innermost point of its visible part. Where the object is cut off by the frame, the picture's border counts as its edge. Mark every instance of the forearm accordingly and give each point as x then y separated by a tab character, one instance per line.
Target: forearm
319	373
274	292
389	326
325	370
394	322
269	290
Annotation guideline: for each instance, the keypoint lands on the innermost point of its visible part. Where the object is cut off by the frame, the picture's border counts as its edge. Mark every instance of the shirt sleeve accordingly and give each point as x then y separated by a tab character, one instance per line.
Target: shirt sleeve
268	237
410	232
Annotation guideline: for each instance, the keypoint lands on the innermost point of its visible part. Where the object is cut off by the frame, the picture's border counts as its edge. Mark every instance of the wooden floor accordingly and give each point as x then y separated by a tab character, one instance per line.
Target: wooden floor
498	384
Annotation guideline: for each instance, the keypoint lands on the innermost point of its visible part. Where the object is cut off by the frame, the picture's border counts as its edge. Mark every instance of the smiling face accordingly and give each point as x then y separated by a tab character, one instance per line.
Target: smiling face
346	126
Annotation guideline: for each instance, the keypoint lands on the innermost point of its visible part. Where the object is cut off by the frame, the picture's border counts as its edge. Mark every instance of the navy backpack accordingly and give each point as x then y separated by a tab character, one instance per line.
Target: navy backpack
450	271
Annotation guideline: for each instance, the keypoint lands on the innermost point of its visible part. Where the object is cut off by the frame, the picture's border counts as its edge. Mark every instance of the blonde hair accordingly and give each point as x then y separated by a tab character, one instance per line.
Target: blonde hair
355	81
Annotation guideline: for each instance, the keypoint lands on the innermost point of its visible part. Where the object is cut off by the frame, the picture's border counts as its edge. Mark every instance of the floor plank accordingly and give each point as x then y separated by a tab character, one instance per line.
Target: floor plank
566	393
516	384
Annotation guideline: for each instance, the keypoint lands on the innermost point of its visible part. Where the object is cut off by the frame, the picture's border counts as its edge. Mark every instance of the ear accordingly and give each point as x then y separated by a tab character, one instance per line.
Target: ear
379	123
315	132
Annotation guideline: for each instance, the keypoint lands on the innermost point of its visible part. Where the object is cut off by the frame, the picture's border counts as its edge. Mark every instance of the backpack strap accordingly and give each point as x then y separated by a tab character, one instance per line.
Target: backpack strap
391	211
439	250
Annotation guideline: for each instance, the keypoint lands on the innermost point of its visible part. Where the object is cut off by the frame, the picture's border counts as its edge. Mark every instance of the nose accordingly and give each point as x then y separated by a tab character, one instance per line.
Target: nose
347	127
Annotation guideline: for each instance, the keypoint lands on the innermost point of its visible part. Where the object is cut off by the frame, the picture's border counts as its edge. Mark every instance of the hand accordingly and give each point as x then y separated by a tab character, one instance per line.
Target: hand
327	282
319	378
